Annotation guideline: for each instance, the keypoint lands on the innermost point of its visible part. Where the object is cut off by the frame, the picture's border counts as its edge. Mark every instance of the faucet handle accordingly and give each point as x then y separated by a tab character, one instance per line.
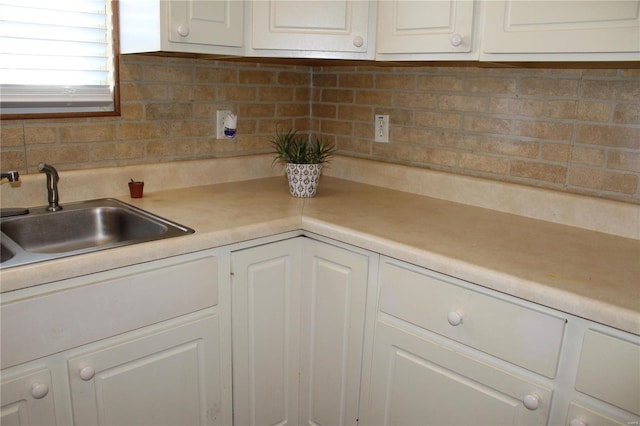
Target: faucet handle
11	175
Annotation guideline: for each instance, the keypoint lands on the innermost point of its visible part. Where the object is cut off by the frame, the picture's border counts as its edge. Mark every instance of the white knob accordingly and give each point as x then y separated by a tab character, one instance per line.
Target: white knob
456	40
531	401
577	422
183	30
358	41
87	373
39	390
454	318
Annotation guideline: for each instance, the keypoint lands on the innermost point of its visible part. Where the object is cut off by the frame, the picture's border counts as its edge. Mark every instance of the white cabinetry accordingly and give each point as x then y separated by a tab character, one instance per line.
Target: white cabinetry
607	381
536	30
265	309
446	354
169	377
142	344
298	326
313	29
193	26
421	381
27	398
426	30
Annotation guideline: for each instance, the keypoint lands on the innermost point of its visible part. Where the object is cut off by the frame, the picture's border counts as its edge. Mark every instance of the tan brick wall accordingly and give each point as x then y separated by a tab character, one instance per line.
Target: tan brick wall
574	130
168	110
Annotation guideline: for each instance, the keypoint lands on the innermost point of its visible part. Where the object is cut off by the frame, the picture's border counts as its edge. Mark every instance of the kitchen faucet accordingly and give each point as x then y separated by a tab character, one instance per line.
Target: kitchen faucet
12	175
52	186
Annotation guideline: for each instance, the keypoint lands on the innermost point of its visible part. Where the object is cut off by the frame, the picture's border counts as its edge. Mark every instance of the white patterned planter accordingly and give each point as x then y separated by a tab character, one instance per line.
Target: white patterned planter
303	179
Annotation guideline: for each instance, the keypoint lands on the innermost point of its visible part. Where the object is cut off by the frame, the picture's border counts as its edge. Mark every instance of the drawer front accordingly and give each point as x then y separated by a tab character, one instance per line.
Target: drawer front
577	413
514	333
609	370
105	305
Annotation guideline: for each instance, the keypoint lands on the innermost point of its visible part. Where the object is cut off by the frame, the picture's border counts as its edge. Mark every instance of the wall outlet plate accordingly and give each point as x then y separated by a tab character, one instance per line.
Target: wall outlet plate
381	128
220	116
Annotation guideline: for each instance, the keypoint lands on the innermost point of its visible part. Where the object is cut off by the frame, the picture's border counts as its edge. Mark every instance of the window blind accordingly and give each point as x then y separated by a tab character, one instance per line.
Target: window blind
56	56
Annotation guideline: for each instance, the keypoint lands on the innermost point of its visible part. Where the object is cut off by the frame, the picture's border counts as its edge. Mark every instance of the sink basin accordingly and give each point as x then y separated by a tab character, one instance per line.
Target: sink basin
80	228
5	253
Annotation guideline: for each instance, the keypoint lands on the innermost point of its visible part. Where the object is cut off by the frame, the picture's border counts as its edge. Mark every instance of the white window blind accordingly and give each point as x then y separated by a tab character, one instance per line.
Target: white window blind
56	56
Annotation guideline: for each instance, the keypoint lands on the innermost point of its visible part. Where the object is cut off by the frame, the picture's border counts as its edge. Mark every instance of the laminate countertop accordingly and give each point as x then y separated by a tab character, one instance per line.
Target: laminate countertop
581	272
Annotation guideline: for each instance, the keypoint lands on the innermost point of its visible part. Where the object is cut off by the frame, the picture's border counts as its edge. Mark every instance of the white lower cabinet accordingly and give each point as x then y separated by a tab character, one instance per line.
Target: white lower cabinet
146	344
418	381
27	398
169	377
434	348
606	388
323	334
298	324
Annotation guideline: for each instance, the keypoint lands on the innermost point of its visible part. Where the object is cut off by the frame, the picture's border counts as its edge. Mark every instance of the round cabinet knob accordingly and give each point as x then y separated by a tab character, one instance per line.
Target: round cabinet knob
183	30
577	422
39	390
87	373
454	318
531	401
456	40
358	41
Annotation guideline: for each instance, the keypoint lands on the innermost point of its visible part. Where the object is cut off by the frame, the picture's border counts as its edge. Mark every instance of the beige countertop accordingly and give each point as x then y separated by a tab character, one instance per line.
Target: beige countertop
585	273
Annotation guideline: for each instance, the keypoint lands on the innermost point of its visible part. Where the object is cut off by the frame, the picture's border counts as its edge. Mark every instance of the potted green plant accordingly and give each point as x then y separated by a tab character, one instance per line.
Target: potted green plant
303	160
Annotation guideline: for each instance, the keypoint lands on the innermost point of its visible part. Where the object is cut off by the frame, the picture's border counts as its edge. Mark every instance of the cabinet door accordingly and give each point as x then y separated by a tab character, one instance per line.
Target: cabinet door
209	22
265	298
535	26
333	312
311	25
416	381
609	370
168	377
579	415
27	397
426	26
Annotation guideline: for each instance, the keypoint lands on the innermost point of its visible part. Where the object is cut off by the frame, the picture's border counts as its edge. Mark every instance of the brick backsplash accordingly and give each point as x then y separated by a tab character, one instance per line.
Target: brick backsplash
573	130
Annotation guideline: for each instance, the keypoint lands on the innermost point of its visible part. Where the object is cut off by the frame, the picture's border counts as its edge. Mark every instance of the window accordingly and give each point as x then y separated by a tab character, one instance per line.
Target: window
58	58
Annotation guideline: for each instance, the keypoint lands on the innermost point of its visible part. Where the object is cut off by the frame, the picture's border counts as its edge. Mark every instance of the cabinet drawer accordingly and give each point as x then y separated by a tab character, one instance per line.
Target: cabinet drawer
514	333
588	416
104	305
609	370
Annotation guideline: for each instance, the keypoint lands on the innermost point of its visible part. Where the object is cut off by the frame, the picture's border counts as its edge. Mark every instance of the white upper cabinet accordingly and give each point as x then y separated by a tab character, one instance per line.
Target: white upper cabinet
412	30
193	26
387	30
561	30
341	29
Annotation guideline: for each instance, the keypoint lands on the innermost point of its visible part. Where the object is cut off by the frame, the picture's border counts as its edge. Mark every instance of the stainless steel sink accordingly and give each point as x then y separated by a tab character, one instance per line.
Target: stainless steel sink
5	253
80	228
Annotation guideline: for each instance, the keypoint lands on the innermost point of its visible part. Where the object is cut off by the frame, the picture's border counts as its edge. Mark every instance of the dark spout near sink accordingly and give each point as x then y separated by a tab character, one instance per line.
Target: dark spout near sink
11	175
53	197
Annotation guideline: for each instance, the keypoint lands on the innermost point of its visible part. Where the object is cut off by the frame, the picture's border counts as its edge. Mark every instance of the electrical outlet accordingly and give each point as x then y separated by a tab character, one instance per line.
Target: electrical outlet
381	128
220	116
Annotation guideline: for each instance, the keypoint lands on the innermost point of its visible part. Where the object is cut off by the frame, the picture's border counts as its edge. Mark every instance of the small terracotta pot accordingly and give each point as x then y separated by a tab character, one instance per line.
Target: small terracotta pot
135	189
